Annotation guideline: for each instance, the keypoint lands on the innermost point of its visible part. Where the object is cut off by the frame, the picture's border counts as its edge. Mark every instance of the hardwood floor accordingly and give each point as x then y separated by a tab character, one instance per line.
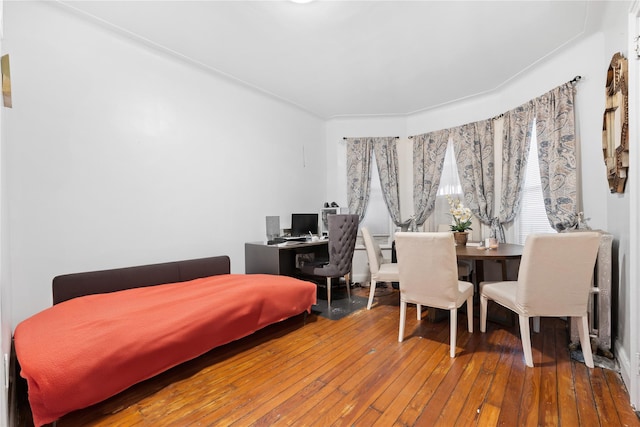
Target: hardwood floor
353	371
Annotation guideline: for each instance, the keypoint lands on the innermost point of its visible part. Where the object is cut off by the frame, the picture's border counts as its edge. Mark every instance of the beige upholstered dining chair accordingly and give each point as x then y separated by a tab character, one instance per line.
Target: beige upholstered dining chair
429	276
382	269
554	280
465	266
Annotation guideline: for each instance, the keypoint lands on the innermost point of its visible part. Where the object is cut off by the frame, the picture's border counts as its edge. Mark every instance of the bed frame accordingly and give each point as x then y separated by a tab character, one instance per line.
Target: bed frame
189	336
70	286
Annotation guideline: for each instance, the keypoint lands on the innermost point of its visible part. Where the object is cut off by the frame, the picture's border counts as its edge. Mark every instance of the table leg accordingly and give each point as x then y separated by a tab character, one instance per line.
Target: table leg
479	268
504	269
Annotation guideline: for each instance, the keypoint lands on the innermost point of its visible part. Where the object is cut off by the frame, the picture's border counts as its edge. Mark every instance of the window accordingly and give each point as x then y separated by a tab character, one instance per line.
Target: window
532	217
449	186
449	181
377	218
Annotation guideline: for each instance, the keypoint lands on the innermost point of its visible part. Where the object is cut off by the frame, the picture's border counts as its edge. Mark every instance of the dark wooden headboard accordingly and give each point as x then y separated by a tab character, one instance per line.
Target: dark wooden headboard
70	286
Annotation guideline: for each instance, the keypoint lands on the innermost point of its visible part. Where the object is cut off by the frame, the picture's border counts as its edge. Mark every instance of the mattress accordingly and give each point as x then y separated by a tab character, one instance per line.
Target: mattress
84	350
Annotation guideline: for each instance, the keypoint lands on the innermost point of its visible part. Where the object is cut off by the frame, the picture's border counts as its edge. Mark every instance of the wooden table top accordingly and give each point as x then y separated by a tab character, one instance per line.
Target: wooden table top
504	251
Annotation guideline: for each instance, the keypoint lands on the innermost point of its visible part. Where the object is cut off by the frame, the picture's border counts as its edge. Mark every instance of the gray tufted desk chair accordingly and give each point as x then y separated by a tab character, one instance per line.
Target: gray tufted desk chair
343	229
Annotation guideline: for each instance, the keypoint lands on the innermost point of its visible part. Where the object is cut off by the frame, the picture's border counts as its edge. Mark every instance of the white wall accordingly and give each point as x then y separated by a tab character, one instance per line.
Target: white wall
5	290
619	205
632	379
118	155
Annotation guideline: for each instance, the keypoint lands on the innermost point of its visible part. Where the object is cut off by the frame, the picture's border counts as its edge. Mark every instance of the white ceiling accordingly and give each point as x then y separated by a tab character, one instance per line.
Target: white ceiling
345	58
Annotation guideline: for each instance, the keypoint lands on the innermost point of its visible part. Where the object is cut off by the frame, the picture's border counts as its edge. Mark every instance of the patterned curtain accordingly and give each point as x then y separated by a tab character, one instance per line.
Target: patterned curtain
429	151
473	145
358	174
555	127
516	139
386	153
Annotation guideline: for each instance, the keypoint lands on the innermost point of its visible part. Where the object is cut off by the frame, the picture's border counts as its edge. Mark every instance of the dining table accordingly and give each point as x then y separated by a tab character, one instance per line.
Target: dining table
479	254
472	251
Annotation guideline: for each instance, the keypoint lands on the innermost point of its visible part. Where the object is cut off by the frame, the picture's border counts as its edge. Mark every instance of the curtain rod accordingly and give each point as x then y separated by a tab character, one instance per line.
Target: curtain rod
574	80
345	138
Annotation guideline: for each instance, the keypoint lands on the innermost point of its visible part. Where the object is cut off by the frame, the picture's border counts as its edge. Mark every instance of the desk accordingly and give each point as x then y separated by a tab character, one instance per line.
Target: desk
260	257
479	254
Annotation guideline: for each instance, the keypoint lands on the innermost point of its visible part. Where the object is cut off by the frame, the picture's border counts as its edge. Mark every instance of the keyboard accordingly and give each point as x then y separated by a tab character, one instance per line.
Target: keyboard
286	239
295	238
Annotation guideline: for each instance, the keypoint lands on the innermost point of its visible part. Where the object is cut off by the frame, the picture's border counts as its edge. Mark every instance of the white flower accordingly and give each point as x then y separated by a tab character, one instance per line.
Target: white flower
461	215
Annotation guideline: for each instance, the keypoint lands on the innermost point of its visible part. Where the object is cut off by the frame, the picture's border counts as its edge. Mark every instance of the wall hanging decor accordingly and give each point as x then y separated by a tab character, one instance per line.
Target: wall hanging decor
6	81
615	124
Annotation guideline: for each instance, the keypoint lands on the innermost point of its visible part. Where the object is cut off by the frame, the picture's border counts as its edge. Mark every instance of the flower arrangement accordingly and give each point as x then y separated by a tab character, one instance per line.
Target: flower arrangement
461	215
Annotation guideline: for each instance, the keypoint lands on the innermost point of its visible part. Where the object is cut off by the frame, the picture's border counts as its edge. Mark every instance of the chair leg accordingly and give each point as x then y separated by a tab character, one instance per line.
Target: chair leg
419	311
525	336
347	279
453	315
372	290
403	316
585	342
470	314
329	291
483	313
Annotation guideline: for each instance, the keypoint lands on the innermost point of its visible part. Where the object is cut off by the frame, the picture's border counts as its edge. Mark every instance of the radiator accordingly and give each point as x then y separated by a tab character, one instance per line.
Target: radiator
599	308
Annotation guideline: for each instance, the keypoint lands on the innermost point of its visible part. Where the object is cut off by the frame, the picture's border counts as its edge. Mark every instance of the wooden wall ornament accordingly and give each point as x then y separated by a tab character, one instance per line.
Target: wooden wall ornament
615	124
6	81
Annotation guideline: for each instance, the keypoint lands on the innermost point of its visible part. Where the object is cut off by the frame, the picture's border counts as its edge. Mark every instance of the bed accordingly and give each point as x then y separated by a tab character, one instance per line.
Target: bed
111	329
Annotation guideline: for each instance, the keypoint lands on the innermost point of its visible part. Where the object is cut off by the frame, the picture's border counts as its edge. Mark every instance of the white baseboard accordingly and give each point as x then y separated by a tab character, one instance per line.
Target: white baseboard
625	364
363	279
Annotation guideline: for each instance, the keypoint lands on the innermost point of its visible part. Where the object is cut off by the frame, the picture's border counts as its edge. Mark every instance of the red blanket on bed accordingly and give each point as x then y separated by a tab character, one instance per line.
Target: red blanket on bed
87	349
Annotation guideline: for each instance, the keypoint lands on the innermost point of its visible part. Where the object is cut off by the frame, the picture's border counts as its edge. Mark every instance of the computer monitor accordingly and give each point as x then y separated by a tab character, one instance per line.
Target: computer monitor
304	223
